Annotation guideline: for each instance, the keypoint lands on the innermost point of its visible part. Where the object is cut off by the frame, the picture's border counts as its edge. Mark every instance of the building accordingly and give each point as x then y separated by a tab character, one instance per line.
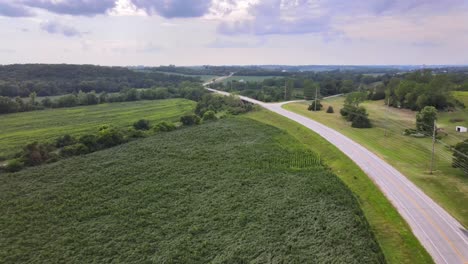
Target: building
461	129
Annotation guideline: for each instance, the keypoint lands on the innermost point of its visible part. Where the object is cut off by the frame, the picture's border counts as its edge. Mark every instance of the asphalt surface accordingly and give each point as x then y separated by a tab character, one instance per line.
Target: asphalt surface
443	237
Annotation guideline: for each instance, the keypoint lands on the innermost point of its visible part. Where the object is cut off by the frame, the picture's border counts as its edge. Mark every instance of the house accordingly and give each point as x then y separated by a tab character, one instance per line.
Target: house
461	129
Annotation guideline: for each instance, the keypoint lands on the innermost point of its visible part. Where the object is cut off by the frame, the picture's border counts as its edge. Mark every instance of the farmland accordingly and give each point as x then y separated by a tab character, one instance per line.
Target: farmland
398	243
231	191
20	129
448	186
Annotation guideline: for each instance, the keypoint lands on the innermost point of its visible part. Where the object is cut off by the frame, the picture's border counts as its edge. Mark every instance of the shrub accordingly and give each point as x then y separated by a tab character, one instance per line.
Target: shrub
209	115
142	124
35	154
133	133
65	140
360	121
14	165
312	106
90	141
74	150
110	137
189	120
165	126
330	110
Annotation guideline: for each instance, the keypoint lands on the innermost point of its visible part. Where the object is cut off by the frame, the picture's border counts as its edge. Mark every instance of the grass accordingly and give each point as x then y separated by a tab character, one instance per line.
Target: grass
20	129
231	191
412	156
396	240
248	78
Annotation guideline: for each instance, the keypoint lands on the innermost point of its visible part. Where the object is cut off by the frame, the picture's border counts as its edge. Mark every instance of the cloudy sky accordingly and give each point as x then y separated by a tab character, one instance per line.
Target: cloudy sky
196	32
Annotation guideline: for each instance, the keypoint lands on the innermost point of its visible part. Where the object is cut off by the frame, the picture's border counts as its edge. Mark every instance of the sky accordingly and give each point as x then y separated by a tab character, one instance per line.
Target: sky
234	32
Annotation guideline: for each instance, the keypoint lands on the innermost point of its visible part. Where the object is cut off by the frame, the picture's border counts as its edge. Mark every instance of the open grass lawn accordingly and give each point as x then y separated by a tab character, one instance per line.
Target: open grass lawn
19	129
398	243
448	186
231	191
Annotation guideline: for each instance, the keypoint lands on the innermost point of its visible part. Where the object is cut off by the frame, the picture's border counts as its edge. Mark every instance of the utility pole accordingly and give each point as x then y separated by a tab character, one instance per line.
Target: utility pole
386	116
433	146
315	102
285	90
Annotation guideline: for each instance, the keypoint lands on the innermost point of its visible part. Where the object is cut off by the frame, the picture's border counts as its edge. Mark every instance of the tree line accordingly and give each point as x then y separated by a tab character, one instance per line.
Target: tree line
58	79
187	90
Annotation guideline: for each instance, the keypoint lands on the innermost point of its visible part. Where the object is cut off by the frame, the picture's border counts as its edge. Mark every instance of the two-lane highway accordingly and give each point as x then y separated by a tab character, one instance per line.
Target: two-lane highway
442	236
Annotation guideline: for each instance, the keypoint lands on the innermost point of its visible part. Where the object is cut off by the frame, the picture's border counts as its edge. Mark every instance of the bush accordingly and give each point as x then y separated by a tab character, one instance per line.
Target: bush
330	110
142	124
133	133
35	154
209	115
65	140
90	141
165	126
190	120
14	165
74	150
360	121
110	137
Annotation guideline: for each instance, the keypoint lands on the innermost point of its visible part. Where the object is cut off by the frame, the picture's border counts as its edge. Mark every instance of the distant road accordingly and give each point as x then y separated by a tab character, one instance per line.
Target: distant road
443	237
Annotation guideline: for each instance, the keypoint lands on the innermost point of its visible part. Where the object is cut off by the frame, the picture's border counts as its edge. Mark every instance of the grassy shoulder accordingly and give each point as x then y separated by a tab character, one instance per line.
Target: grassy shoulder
398	243
231	191
448	186
20	129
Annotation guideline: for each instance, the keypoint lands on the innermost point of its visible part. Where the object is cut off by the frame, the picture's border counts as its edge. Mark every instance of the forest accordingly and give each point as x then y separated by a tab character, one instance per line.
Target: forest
58	79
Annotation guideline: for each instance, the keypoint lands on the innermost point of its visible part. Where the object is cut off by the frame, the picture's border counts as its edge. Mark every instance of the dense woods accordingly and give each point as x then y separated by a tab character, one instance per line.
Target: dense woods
57	79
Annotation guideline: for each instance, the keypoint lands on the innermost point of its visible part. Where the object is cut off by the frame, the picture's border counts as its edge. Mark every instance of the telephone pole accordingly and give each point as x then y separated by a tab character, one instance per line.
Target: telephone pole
386	116
433	146
315	102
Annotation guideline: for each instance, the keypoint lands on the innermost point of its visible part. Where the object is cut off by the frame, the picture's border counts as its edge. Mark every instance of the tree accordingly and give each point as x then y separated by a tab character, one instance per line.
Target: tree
310	90
289	88
32	98
360	119
8	106
330	109
460	156
315	106
355	98
425	120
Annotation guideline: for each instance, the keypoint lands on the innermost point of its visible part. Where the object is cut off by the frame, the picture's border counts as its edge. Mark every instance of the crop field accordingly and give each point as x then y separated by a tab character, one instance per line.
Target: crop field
412	156
213	193
19	129
394	236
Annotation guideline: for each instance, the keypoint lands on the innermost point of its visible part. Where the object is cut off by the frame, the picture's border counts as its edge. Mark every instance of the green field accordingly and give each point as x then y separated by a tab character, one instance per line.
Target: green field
248	78
232	191
398	243
448	186
19	129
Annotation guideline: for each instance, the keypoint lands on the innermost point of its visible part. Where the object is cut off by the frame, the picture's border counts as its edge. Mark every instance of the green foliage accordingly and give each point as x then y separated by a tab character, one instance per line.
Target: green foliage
355	98
65	140
14	165
90	141
425	120
109	137
8	106
190	120
74	150
218	103
209	115
310	90
205	193
315	106
358	116
142	124
36	154
330	109
165	126
460	156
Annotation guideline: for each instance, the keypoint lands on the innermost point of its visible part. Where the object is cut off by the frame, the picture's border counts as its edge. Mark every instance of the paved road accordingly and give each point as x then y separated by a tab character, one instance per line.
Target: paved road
443	237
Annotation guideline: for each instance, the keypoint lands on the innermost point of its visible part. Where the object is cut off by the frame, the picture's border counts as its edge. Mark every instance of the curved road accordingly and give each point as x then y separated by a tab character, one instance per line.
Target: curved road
443	237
